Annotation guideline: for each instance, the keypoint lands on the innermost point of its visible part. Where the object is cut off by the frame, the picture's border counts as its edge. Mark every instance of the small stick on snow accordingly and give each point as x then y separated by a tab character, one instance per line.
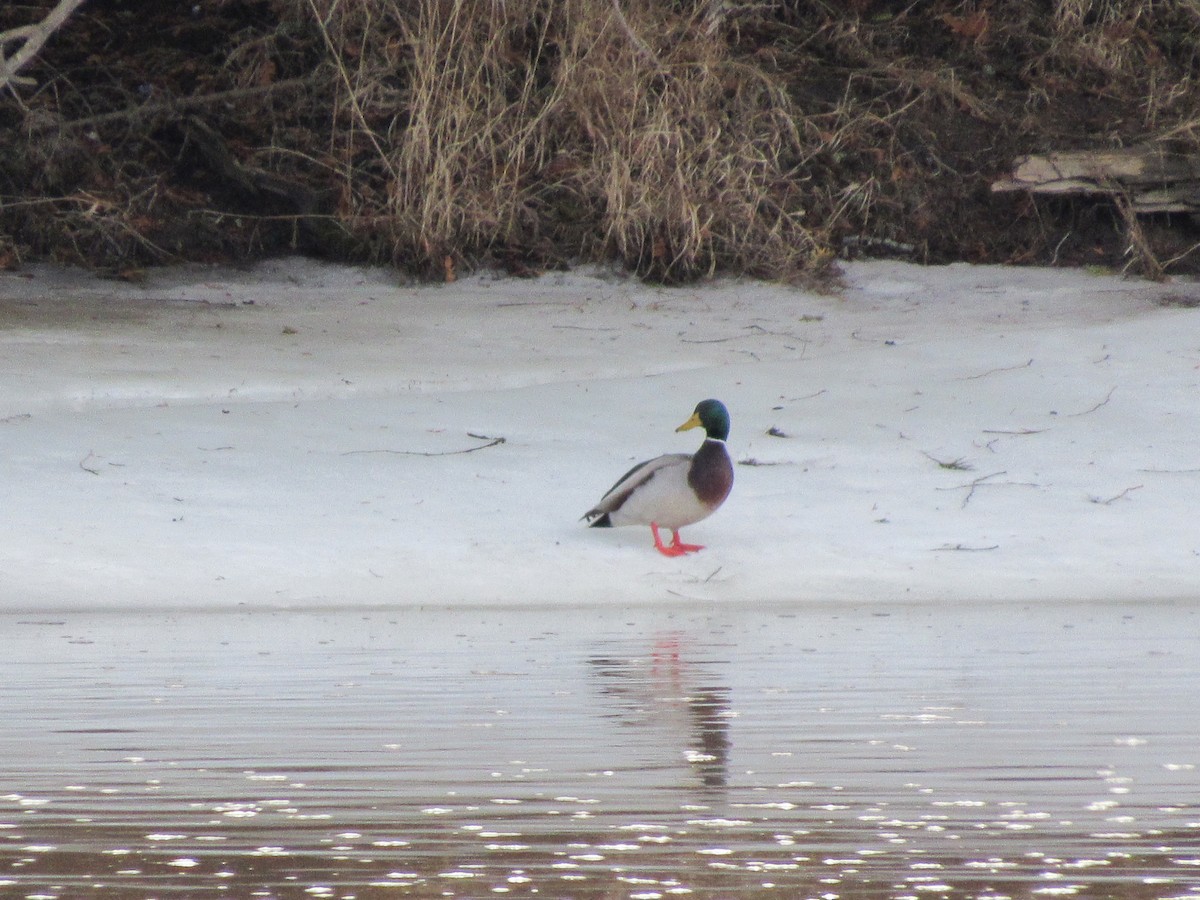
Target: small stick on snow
1094	408
492	442
980	482
972	485
87	468
1024	365
1113	499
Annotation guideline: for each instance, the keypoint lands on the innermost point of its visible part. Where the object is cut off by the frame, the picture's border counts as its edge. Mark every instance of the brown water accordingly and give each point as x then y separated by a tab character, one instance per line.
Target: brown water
726	752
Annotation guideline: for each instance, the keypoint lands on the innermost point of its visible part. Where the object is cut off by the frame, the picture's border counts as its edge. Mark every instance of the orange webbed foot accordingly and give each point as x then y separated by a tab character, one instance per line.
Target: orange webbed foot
666	550
676	547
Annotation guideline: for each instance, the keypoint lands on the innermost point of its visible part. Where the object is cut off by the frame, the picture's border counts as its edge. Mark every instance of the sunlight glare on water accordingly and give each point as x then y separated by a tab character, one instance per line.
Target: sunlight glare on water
899	752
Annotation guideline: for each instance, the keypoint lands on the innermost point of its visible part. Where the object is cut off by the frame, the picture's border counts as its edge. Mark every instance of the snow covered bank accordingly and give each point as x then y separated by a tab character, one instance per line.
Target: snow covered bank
294	435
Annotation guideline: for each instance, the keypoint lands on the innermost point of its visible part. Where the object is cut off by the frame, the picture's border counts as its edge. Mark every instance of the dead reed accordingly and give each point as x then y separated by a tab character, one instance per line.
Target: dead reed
566	125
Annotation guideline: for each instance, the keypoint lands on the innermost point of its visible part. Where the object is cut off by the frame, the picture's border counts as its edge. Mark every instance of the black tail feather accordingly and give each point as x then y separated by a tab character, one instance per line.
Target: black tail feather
603	522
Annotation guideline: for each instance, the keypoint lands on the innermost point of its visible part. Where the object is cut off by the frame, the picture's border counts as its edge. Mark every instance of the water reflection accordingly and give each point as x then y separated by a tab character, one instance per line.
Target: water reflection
583	754
667	690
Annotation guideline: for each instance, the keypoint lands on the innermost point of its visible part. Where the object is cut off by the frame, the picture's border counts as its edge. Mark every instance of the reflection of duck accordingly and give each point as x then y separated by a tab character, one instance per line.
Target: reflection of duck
654	692
675	489
709	710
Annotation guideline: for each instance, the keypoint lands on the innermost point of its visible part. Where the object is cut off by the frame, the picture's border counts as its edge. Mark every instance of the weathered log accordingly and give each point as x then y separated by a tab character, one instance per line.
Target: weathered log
1151	179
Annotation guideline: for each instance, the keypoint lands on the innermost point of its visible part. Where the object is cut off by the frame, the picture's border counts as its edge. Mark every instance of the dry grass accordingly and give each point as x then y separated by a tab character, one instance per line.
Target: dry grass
564	124
696	160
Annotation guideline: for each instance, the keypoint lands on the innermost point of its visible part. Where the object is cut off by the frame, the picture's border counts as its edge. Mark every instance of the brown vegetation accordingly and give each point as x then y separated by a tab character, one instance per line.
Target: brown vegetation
681	137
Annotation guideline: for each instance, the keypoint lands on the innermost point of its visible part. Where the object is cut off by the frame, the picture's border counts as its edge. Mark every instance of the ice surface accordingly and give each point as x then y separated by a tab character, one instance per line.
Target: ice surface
294	435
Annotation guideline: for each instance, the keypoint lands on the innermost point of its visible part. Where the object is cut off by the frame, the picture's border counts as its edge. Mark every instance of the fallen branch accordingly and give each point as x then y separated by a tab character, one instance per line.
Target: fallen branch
492	442
1139	181
963	548
32	37
1154	179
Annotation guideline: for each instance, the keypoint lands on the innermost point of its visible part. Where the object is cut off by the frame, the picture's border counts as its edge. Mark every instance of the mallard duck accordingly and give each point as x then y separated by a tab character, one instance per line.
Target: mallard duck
675	489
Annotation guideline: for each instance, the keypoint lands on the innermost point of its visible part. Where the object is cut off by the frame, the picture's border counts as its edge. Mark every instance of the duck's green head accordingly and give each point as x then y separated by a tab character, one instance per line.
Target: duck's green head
712	416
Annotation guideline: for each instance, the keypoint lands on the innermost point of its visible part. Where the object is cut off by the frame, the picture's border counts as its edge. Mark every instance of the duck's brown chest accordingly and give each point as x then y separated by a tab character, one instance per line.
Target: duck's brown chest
711	473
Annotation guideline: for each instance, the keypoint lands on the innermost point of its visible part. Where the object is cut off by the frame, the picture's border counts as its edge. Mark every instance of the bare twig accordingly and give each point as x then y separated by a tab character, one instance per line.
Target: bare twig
176	105
492	442
1180	257
1024	365
1103	501
1139	246
88	468
972	485
1092	409
963	548
723	340
753	329
32	37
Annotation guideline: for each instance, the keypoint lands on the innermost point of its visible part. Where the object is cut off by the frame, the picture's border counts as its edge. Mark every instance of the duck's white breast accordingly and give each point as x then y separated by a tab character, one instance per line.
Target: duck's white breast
665	499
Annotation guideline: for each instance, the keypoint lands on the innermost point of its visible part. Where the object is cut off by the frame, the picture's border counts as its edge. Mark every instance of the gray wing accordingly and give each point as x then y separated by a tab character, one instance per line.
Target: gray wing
631	481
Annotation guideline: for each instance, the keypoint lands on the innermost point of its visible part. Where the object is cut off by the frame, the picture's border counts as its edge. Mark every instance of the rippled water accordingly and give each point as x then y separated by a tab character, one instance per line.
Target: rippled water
926	751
